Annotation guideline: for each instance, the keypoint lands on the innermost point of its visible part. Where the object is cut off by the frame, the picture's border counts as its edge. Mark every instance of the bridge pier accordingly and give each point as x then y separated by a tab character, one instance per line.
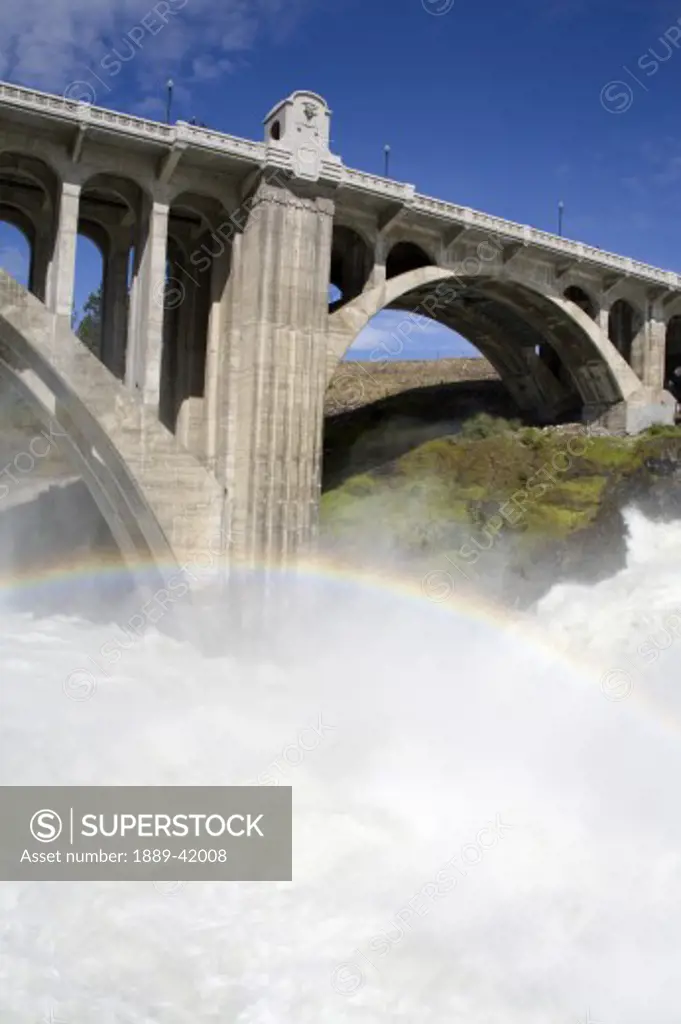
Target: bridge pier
650	403
62	270
273	373
649	407
147	299
650	345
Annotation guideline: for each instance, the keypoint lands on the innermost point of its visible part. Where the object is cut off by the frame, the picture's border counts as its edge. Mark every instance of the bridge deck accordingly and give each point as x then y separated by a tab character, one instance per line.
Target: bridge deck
87	117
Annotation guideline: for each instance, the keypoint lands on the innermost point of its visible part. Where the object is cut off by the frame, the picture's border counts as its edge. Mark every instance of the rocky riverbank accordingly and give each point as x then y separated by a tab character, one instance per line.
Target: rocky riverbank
357	383
505	509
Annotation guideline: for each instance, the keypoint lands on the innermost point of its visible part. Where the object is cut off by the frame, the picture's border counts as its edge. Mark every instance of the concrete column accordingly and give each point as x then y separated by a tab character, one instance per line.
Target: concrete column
648	348
639	344
216	327
378	273
603	317
62	271
145	325
273	374
115	304
189	329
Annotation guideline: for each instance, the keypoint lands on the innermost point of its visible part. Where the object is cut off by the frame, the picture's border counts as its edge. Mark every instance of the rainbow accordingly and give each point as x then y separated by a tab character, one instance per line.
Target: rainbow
435	588
53	589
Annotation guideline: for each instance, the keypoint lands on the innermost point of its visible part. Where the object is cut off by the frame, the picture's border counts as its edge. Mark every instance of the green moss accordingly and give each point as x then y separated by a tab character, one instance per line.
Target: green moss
482	426
429	497
584	491
473	492
610	452
457	512
658	430
429	458
359	486
557	521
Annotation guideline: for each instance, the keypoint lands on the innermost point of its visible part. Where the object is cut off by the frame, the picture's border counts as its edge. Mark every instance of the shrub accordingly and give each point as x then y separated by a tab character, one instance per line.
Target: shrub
482	425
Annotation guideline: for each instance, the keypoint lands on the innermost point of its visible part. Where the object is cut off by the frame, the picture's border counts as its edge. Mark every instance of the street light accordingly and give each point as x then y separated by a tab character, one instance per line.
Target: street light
386	152
169	99
561	207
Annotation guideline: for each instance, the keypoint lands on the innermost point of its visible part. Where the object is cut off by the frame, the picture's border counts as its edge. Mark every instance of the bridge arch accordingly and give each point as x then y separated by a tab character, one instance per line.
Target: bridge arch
21	167
132	466
673	351
29	201
20	220
109	216
508	321
352	261
122	189
91	257
584	299
21	243
199	255
625	321
404	256
96	234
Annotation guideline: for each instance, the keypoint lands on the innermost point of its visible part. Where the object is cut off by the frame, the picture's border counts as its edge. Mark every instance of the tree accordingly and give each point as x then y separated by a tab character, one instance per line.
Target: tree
89	329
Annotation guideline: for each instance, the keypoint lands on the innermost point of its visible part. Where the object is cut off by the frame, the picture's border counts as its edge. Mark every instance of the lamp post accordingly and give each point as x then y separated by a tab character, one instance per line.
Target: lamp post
561	208
386	153
169	98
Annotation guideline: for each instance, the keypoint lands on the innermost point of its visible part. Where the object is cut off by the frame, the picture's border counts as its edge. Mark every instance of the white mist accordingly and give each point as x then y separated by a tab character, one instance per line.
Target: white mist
483	832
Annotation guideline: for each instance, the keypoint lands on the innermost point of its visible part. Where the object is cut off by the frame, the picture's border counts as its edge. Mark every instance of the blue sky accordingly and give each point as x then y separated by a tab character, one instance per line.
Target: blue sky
508	108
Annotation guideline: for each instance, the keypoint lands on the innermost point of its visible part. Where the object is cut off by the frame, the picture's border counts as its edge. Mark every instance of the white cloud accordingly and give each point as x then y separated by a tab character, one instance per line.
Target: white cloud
206	68
49	45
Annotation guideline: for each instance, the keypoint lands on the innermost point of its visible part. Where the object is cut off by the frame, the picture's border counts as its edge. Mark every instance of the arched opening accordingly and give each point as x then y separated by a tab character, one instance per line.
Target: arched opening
582	299
423	496
199	254
405	256
28	197
405	380
511	324
110	208
351	264
174	294
551	360
16	417
87	312
15	250
624	323
672	367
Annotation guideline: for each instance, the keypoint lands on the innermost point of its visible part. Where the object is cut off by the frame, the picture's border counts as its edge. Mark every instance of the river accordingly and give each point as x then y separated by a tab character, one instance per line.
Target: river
486	824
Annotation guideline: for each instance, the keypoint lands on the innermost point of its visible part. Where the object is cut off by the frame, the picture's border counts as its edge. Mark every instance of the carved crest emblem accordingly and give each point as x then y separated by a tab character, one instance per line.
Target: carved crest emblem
310	111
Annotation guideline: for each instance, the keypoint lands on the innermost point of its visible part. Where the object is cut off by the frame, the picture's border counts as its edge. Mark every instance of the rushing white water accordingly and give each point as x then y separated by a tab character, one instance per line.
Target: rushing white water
485	830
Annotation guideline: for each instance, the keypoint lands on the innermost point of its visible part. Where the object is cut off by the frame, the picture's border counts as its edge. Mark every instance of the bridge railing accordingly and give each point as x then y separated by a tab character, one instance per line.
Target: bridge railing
84	114
81	113
78	111
376	185
543	239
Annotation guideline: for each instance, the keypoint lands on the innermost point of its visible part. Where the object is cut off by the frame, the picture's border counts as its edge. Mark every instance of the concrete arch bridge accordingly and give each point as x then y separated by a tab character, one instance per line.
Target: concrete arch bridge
197	420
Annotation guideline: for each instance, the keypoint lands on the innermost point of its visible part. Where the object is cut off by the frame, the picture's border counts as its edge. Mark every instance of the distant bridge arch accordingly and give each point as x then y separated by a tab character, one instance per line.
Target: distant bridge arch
508	321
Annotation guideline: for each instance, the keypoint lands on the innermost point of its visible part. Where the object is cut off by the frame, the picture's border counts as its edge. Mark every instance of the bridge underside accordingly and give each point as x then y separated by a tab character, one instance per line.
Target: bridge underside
553	358
515	348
